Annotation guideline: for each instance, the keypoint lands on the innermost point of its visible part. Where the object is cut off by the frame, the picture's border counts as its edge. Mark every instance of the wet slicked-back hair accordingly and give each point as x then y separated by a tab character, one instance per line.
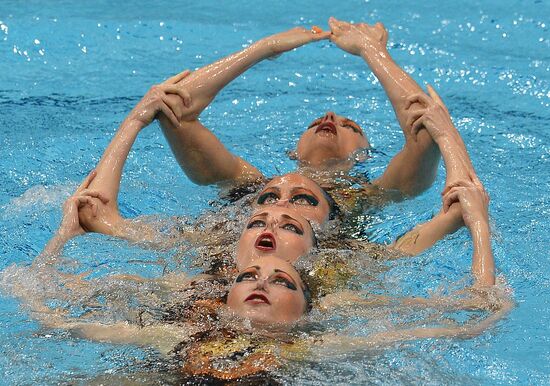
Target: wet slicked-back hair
334	210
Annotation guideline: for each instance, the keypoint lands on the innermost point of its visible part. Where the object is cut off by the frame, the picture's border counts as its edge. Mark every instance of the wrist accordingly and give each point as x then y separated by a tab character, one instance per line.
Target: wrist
263	48
132	123
372	53
62	236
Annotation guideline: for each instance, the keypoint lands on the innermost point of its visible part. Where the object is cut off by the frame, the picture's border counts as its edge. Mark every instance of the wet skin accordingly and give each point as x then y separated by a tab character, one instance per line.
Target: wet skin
268	291
328	138
274	231
298	192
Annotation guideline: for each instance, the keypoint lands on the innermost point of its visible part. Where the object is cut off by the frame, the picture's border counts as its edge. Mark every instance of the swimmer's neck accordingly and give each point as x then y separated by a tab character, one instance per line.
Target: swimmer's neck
329	170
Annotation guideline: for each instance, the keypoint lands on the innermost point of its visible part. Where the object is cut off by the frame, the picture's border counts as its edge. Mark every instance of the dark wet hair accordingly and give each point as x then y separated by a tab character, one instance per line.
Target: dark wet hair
334	209
306	290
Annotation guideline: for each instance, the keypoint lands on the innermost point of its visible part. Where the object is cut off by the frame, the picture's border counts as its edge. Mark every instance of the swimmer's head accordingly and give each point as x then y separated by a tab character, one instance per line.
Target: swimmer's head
330	138
301	193
269	291
276	231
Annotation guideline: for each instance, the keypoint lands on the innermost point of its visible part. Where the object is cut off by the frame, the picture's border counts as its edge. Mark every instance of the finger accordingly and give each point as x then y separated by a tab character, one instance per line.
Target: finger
413	116
473	176
334	25
83	200
176	78
416	127
182	92
169	114
455	184
175	104
435	96
321	35
87	181
449	200
95	193
420	98
384	33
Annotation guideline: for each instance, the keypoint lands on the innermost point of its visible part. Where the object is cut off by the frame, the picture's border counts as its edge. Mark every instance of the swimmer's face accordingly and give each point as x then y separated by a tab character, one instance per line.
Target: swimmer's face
299	192
331	137
268	291
274	231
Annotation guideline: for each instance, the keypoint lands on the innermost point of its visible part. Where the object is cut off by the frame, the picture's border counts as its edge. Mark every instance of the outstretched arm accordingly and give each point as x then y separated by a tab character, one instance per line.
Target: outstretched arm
414	168
200	154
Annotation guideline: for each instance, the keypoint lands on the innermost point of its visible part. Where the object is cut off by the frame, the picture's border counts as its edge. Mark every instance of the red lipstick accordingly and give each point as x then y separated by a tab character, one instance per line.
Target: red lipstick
257	298
266	242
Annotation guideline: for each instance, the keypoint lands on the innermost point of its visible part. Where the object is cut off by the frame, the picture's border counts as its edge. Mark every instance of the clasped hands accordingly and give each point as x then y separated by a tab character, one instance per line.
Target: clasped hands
172	99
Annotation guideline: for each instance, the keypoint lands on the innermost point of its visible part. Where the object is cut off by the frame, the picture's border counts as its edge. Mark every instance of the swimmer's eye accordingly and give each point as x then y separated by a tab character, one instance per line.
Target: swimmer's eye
284	282
268	198
354	128
246	276
255	224
304	199
293	228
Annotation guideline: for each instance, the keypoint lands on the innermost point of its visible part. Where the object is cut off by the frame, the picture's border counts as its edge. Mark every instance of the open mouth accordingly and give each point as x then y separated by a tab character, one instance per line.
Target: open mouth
326	127
257	298
265	242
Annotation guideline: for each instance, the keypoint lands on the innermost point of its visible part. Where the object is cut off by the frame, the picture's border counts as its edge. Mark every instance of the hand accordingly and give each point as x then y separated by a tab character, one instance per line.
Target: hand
355	38
168	98
70	223
432	116
473	200
294	38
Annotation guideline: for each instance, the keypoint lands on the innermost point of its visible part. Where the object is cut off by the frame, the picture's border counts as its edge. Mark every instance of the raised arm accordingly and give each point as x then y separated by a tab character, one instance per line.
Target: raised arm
105	218
482	295
200	154
414	168
433	118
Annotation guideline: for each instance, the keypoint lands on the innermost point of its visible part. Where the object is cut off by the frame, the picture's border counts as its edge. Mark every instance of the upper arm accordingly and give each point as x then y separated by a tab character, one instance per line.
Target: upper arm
202	156
413	169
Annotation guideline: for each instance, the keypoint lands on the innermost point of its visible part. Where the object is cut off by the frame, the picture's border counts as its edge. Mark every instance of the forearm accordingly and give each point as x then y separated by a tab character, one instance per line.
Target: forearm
205	83
109	168
414	168
396	82
458	165
483	264
51	251
425	235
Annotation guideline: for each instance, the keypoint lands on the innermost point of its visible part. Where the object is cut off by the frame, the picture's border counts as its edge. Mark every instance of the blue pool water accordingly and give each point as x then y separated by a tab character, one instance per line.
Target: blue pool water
70	71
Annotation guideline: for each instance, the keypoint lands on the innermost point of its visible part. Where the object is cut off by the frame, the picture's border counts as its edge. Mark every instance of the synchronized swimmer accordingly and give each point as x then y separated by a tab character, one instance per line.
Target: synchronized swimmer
256	302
